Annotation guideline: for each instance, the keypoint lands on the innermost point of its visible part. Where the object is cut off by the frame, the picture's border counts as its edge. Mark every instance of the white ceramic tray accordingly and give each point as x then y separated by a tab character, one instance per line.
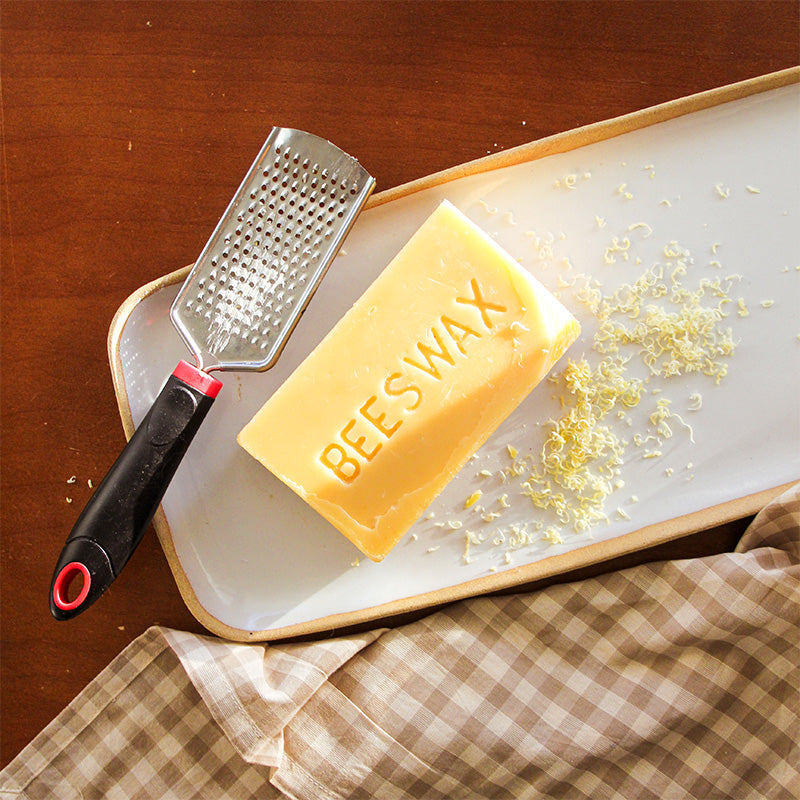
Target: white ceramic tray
255	562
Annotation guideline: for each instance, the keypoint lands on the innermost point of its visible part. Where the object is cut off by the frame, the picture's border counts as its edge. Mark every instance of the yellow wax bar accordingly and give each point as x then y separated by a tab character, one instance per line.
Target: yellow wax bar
436	353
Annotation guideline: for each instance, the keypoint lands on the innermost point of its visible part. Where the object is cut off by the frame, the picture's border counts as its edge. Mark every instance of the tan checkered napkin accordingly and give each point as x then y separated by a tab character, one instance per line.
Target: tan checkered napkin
670	680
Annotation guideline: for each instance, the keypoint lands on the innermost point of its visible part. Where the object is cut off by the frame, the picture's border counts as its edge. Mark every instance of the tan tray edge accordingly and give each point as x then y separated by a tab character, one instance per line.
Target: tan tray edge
581	557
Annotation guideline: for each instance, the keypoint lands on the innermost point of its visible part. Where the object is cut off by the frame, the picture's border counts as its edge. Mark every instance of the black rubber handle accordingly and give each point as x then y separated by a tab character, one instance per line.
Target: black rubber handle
117	515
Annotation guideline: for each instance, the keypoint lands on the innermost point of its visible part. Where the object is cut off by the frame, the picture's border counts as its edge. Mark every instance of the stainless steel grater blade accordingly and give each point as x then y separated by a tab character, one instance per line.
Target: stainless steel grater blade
269	252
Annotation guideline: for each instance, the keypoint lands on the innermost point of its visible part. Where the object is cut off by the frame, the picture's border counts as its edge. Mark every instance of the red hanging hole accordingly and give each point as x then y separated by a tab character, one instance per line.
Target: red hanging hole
64	582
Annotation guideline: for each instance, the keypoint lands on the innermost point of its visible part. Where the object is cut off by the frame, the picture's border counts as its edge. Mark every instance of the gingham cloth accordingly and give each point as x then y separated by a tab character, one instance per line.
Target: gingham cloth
671	680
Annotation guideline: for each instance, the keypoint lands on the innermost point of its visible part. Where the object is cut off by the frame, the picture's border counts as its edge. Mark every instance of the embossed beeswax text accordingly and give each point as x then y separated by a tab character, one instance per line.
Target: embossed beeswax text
362	438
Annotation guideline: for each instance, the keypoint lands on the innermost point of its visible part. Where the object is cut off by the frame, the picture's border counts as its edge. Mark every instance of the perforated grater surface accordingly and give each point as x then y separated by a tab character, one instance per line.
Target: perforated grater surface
269	252
235	310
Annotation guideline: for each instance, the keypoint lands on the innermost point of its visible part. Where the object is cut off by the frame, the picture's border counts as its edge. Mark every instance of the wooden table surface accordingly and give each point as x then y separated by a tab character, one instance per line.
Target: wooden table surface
126	128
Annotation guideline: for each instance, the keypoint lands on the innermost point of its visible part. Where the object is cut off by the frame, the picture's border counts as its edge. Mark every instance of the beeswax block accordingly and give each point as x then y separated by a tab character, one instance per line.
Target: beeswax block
437	352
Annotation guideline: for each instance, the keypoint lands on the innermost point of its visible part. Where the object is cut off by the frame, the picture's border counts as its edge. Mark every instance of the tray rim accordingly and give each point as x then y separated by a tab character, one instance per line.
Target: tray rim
584	556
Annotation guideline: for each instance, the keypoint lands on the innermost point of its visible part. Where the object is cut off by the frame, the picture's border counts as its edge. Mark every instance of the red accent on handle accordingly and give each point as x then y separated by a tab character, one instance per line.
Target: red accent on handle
197	379
63	581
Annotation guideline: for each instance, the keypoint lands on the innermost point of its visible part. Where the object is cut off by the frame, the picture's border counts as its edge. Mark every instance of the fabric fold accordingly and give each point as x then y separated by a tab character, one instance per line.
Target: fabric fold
254	691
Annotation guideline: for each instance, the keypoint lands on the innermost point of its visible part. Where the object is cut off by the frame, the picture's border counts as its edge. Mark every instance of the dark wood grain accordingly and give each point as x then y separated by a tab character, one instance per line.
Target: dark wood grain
126	127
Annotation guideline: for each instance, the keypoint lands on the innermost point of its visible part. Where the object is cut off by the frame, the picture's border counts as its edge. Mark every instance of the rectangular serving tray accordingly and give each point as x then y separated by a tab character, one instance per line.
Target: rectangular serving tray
717	173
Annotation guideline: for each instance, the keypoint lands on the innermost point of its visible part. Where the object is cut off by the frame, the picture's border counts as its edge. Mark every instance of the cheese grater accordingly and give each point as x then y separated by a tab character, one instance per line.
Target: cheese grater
235	311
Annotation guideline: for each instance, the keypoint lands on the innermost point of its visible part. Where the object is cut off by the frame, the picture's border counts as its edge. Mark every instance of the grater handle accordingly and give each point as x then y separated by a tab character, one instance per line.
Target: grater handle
117	515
